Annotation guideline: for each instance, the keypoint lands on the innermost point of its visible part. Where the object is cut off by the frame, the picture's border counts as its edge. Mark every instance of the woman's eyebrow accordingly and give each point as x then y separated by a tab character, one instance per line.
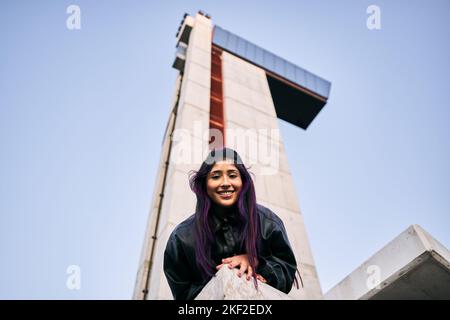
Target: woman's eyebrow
220	171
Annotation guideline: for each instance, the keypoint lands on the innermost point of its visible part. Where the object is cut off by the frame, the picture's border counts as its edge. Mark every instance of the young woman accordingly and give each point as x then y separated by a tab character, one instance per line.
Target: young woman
228	229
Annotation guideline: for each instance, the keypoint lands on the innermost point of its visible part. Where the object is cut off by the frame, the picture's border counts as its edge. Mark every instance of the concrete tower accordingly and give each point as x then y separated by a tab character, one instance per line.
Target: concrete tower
229	92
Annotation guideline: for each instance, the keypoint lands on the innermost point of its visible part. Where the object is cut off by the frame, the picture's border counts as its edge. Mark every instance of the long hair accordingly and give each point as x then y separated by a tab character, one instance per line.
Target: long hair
247	213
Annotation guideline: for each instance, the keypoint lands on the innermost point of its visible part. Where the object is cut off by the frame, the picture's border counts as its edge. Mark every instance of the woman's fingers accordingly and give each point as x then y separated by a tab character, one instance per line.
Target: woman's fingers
261	278
242	269
249	273
240	261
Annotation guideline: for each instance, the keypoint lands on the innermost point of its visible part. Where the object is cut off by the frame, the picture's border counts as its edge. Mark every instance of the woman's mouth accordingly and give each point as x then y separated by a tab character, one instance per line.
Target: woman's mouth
225	194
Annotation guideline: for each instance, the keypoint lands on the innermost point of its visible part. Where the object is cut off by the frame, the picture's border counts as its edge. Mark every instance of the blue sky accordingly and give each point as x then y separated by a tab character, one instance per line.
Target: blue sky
82	114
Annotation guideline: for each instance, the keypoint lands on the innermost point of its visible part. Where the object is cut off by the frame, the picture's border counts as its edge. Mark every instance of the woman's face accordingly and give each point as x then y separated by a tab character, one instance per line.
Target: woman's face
224	183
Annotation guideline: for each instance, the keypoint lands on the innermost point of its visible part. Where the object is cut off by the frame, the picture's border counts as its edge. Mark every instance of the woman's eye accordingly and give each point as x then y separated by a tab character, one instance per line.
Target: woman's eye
233	176
215	177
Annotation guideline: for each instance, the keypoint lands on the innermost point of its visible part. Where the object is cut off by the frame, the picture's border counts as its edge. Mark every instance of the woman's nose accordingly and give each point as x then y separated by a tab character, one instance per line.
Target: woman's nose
225	182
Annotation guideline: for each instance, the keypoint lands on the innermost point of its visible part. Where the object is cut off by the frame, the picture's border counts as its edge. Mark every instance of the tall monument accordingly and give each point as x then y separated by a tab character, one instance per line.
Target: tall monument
229	92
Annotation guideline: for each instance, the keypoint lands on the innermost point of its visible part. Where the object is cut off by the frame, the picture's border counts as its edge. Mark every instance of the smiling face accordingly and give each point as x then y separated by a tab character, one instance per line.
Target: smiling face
224	183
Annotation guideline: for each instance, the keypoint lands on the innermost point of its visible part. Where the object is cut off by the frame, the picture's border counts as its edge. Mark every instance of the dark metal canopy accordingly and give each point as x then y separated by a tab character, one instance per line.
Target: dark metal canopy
298	94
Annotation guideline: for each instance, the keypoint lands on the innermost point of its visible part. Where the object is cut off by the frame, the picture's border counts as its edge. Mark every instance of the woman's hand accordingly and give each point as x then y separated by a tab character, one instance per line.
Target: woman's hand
241	262
261	278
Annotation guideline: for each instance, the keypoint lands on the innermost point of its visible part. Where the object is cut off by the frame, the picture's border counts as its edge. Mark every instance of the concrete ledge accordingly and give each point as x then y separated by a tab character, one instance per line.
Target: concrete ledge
412	266
226	285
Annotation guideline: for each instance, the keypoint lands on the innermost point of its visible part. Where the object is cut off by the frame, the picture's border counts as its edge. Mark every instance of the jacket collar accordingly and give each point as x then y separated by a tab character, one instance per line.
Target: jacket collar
218	221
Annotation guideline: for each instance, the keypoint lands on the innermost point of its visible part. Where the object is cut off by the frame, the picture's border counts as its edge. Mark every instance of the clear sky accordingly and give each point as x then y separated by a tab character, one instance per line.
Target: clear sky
83	112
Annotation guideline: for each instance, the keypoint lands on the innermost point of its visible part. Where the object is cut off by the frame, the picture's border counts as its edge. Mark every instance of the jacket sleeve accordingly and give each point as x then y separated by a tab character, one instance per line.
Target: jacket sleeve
279	266
178	273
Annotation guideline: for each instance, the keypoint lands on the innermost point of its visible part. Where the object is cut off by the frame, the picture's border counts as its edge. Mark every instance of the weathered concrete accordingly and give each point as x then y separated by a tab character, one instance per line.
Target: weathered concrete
226	285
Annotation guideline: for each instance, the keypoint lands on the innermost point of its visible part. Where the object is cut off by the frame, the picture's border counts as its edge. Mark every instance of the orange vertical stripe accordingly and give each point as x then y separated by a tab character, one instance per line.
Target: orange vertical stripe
216	116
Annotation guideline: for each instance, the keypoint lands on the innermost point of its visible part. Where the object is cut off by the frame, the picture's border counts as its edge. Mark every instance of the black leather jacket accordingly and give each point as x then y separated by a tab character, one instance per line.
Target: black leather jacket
276	260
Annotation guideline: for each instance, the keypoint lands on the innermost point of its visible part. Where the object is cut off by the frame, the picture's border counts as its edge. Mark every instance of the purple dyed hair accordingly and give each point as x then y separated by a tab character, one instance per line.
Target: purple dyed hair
246	204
